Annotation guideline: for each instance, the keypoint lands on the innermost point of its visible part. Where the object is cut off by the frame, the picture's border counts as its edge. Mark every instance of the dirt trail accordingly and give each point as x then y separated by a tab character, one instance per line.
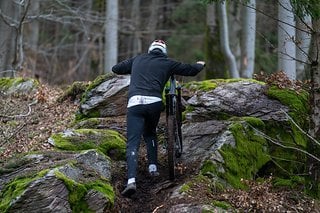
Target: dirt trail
152	193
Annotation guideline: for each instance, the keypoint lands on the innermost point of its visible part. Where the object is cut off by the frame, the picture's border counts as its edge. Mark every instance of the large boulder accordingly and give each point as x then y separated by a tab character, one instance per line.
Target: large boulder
57	182
105	97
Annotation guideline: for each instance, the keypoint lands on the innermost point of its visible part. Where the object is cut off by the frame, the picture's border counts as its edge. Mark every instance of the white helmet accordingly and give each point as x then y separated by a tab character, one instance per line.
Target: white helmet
158	44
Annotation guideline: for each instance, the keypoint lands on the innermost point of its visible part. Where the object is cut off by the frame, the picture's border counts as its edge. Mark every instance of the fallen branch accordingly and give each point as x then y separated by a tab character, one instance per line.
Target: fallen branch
21	115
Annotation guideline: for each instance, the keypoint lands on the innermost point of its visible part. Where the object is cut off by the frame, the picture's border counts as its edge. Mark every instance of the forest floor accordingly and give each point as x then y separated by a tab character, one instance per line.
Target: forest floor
25	126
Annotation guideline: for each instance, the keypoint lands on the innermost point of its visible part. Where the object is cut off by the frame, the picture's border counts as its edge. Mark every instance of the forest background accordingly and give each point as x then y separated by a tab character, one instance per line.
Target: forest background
62	41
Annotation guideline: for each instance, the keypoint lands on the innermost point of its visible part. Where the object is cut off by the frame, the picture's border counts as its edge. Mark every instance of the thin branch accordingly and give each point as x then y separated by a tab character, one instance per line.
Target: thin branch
283	146
304	132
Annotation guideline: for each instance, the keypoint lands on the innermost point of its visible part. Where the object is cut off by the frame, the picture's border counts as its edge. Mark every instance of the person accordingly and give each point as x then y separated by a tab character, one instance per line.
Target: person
149	73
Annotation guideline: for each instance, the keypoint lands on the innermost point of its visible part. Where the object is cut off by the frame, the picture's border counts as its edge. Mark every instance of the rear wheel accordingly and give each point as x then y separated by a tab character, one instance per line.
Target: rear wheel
171	144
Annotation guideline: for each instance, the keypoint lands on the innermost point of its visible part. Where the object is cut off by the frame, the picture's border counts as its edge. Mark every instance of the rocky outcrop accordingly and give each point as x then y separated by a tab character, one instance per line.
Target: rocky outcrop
232	131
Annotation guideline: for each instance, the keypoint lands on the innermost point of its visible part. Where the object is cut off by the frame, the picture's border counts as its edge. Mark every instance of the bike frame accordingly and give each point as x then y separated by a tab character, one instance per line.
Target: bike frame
174	121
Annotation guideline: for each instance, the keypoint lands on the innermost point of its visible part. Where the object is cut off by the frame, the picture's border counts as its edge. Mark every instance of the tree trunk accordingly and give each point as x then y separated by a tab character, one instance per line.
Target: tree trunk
85	46
224	40
215	62
136	38
286	35
111	35
303	45
32	36
7	38
153	20
248	38
314	131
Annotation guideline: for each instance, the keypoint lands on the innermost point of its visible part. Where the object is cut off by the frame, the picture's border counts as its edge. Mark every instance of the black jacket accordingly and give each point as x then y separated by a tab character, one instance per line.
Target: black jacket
150	72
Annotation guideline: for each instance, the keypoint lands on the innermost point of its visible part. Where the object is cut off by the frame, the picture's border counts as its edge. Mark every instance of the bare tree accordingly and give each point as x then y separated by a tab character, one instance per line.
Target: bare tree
111	35
224	39
286	38
12	15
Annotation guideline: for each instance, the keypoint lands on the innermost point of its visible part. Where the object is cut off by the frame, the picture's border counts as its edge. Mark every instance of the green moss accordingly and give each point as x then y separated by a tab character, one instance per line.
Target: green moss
298	103
253	121
105	188
206	85
244	160
208	168
73	91
78	191
6	83
108	142
211	84
91	114
222	204
292	183
184	188
15	188
285	162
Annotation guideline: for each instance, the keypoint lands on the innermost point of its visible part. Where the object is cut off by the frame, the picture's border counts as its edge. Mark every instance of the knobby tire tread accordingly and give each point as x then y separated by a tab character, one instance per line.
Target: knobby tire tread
171	128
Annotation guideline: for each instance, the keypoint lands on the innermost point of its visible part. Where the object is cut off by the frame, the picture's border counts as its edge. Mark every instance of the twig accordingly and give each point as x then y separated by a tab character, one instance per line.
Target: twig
283	146
304	132
156	209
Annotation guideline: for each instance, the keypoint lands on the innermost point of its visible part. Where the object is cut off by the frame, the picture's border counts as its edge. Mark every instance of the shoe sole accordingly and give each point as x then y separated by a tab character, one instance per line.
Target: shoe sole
128	192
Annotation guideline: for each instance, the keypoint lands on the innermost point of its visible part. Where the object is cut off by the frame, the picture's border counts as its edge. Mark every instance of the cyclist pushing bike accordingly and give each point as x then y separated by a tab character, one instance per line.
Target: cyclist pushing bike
149	74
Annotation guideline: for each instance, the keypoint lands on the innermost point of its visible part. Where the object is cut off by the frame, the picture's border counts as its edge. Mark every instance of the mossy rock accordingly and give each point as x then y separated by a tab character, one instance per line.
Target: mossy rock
106	96
211	84
59	182
18	85
108	142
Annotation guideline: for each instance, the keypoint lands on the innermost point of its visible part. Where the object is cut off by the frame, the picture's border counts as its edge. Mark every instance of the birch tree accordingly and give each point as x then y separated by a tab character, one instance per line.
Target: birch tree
248	37
111	35
286	39
224	39
303	39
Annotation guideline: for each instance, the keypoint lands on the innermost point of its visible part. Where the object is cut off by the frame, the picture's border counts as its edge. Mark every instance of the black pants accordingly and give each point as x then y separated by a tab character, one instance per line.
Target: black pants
142	120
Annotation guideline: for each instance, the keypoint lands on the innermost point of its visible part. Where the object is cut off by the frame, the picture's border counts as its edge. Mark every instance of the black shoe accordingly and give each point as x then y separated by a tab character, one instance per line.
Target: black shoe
129	190
154	174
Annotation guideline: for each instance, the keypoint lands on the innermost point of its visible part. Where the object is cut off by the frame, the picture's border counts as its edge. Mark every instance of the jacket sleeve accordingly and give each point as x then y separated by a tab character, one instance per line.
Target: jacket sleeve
186	69
123	67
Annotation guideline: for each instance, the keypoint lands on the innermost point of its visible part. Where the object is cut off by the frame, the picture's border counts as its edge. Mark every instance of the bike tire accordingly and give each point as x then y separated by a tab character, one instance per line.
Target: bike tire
171	140
179	131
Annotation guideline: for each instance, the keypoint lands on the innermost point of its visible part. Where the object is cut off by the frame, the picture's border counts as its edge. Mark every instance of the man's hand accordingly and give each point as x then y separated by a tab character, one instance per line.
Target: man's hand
202	63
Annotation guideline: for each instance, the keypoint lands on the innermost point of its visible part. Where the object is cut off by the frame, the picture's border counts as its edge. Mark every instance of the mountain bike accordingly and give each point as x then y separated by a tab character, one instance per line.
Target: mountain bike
174	122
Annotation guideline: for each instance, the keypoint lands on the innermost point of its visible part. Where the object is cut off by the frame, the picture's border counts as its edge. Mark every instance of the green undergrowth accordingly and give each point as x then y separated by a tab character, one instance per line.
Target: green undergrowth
108	142
16	188
78	191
